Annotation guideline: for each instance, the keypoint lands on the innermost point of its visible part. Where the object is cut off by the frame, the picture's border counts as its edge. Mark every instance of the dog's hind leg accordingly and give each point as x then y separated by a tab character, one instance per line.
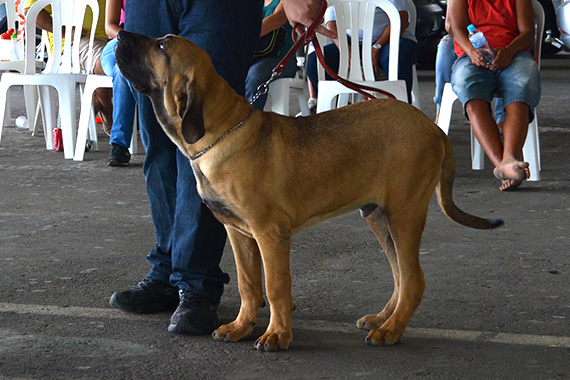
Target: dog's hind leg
406	225
248	265
379	225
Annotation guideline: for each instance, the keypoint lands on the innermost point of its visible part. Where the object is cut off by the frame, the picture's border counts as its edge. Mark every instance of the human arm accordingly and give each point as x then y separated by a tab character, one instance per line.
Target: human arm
525	38
113	17
45	22
458	12
384	40
302	13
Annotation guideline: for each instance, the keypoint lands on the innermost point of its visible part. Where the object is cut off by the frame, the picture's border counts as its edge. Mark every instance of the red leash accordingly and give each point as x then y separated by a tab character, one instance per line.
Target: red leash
310	36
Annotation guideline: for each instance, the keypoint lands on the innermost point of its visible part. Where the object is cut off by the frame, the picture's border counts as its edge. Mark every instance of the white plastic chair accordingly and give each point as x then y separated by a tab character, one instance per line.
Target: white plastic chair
531	148
87	118
358	15
280	90
278	95
62	69
30	93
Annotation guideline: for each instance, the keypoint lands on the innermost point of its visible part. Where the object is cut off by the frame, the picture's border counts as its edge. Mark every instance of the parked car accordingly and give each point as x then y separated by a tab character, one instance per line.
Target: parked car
430	27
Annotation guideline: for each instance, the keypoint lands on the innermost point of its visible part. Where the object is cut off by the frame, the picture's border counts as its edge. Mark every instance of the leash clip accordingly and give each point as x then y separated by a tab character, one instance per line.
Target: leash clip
263	88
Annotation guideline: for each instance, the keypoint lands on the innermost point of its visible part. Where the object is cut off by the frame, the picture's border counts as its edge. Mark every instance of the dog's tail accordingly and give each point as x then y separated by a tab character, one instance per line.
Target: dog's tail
445	195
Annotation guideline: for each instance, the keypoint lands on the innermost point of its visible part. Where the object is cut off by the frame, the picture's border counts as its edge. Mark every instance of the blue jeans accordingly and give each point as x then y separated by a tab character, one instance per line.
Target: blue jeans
444	60
259	73
123	100
518	82
408	56
190	241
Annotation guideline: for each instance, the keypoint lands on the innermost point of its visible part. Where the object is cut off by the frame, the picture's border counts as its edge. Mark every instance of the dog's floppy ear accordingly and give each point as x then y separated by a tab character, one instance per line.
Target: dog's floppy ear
189	107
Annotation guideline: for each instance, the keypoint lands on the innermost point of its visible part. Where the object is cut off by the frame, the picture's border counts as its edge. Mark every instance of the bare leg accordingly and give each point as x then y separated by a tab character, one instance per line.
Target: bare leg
104	100
515	128
508	167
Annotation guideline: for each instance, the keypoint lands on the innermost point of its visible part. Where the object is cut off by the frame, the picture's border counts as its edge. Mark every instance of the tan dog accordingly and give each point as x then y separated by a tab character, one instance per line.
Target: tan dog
267	176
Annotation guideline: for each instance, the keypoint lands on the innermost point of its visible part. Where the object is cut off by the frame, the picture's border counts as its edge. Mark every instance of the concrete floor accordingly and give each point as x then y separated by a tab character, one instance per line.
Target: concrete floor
496	305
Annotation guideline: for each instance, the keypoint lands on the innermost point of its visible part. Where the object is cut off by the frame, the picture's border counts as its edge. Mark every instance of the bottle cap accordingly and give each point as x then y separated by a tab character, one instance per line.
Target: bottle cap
471	27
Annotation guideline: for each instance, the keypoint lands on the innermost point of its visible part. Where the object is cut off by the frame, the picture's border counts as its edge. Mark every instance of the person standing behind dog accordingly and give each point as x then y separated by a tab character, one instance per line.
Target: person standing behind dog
185	271
189	239
274	19
123	100
509	29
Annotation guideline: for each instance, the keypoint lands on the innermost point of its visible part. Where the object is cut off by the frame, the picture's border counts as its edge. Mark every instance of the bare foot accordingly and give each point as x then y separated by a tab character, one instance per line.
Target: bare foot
509	184
512	170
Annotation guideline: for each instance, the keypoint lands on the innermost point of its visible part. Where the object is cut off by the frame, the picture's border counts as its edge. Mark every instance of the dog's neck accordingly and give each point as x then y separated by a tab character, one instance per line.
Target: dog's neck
203	151
224	111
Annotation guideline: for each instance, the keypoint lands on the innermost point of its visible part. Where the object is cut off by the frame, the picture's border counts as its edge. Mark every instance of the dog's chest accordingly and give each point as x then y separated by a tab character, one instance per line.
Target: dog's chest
214	201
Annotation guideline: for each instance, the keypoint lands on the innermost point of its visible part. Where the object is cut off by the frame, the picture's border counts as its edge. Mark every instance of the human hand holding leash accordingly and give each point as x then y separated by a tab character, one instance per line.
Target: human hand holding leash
301	14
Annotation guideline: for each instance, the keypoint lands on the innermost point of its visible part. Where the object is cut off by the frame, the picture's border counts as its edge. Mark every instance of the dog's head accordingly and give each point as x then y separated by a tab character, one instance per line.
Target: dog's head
165	70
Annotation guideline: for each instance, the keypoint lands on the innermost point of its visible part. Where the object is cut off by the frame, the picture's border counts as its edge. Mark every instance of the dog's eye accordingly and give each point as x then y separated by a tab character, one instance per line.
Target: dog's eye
161	45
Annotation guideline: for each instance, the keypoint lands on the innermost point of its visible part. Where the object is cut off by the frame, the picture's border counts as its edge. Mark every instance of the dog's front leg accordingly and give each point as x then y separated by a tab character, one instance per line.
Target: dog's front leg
275	253
248	265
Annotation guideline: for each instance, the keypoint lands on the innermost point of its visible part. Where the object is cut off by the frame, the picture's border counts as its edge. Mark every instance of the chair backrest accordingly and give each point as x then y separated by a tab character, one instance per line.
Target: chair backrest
539	20
65	13
356	15
10	13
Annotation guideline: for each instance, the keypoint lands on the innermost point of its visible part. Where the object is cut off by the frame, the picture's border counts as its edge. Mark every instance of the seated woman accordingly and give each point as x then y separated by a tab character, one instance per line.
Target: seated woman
261	69
408	53
444	60
509	29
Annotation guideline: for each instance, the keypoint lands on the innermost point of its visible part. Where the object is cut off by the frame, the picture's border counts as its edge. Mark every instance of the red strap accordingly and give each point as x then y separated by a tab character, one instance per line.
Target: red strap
310	36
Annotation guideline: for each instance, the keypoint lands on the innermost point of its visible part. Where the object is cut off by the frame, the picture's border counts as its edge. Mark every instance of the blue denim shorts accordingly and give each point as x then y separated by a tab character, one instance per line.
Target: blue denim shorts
518	82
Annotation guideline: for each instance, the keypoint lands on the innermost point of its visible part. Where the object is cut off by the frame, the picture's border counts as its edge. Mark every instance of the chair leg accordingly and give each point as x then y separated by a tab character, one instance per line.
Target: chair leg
302	101
67	114
447	100
48	114
8	111
415	89
84	122
477	153
3	104
531	151
134	149
31	99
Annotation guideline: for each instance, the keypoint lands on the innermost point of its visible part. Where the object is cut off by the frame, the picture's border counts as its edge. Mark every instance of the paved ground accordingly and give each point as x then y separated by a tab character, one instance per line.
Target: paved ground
496	305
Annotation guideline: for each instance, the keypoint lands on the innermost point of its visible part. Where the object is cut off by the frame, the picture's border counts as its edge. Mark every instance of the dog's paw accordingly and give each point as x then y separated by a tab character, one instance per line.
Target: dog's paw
370	321
271	342
232	332
383	337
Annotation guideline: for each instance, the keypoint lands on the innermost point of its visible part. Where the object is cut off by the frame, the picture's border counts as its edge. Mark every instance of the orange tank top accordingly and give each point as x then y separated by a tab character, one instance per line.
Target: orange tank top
497	20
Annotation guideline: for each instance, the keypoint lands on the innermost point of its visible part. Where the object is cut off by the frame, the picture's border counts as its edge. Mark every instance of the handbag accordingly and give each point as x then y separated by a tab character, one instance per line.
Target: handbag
270	45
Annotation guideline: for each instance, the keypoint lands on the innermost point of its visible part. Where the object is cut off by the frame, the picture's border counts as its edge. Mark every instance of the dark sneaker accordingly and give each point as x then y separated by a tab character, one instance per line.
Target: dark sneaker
148	296
119	156
195	315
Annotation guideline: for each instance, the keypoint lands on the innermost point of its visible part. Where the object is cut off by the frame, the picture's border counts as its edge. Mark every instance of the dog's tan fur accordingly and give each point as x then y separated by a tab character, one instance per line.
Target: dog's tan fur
274	175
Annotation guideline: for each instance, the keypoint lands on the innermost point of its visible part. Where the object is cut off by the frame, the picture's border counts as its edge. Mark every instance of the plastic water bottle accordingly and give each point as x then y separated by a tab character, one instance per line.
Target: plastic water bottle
480	43
14	53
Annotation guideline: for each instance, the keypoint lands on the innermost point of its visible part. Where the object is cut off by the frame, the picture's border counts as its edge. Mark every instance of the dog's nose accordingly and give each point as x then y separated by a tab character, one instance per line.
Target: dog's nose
121	36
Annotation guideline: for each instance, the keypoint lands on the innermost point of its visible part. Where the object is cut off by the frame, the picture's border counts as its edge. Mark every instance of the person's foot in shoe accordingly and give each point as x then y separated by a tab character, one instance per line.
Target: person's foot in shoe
119	156
195	315
148	296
